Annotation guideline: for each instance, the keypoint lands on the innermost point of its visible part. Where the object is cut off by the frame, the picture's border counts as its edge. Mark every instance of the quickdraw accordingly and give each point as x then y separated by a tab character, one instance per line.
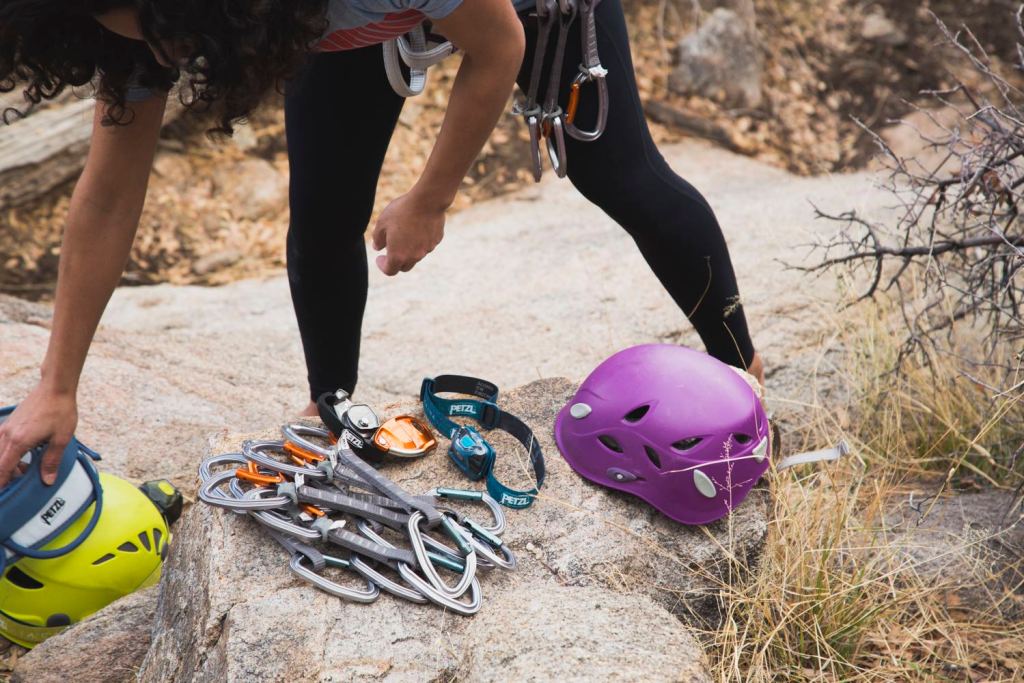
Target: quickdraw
311	497
549	121
473	455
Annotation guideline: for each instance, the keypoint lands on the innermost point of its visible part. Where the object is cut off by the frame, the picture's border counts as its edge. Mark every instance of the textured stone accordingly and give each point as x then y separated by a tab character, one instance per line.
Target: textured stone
721	60
580	634
105	647
879	28
172	366
254	188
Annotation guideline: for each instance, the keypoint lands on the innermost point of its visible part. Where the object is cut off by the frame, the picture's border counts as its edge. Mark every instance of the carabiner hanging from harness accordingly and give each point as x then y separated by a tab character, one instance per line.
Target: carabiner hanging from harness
591	71
552	124
530	108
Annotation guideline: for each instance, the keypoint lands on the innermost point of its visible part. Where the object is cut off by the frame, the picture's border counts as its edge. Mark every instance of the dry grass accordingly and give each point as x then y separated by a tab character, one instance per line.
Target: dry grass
838	597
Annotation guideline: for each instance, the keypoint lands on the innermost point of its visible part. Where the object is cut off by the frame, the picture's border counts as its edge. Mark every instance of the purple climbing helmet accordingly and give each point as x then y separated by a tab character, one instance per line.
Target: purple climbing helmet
676	427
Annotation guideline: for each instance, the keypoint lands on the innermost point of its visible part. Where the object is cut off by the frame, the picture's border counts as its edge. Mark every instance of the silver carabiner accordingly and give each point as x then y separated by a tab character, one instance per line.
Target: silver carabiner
207	464
209	493
297	433
255	451
386	584
427	567
556	149
533	125
369	595
497	512
465	609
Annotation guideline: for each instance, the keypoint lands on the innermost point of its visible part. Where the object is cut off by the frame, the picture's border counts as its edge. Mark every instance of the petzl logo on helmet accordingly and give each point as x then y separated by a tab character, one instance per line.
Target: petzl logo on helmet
462	409
52	511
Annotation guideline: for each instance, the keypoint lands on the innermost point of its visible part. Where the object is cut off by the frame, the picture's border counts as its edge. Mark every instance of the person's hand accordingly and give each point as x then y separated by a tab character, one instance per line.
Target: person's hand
409	228
44	415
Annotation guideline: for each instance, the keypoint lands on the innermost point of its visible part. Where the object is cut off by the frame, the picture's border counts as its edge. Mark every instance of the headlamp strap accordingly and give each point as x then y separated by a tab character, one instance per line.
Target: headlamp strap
440	410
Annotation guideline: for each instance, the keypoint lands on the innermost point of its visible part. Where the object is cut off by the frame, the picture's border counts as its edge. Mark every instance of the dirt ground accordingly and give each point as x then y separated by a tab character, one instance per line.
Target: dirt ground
821	77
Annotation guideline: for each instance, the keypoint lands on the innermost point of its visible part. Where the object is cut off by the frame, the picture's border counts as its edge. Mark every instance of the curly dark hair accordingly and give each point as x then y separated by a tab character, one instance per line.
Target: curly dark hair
230	52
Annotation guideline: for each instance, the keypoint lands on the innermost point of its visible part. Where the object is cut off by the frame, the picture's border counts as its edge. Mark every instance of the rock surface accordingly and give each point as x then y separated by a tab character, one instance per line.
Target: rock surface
554	642
721	60
172	366
227	595
108	646
970	545
254	188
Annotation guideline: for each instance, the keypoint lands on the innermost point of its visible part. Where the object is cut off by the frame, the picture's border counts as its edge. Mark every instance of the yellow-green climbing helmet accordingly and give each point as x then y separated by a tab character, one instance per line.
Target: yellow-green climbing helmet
125	552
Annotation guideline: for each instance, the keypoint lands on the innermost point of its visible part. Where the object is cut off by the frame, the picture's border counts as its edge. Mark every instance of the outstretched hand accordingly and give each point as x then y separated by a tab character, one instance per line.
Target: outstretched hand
44	416
409	228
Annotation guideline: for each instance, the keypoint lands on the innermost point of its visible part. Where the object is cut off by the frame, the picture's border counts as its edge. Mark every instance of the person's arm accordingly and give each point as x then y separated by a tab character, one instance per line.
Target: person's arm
102	219
491	38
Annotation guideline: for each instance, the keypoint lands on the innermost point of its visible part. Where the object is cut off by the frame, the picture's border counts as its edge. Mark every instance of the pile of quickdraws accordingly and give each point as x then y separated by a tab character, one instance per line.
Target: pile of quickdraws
418	50
304	492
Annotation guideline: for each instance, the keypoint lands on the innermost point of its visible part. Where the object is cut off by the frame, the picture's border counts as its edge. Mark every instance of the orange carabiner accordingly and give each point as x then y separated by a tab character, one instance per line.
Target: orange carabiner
300	455
312	510
574	102
251	474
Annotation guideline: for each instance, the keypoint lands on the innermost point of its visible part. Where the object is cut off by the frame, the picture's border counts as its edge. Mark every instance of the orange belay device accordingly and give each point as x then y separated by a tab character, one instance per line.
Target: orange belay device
402	436
405	437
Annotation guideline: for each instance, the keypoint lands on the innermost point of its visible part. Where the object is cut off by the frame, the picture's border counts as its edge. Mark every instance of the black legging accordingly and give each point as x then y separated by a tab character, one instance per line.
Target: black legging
340	113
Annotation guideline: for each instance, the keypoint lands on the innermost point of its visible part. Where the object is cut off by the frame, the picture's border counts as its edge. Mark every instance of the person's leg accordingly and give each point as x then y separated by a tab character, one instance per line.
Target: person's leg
623	173
340	113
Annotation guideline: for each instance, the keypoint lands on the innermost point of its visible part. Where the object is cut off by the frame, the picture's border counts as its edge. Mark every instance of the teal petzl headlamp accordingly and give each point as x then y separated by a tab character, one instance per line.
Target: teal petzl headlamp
469	450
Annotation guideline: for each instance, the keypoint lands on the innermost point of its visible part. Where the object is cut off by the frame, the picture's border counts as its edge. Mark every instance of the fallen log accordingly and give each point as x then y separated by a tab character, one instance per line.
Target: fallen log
48	147
694	125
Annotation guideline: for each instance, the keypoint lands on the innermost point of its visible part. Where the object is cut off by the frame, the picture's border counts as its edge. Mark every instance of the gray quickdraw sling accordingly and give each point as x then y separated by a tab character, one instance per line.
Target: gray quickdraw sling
33	514
548	120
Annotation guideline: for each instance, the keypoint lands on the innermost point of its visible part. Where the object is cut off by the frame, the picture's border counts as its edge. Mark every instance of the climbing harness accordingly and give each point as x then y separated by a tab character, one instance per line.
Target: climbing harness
681	430
473	455
418	50
313	497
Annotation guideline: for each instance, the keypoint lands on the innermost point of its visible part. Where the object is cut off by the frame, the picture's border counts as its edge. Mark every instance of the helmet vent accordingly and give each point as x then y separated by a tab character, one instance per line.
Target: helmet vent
157	536
687	444
55	620
106	558
654	457
636	414
22	580
144	540
128	547
742	438
610	443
